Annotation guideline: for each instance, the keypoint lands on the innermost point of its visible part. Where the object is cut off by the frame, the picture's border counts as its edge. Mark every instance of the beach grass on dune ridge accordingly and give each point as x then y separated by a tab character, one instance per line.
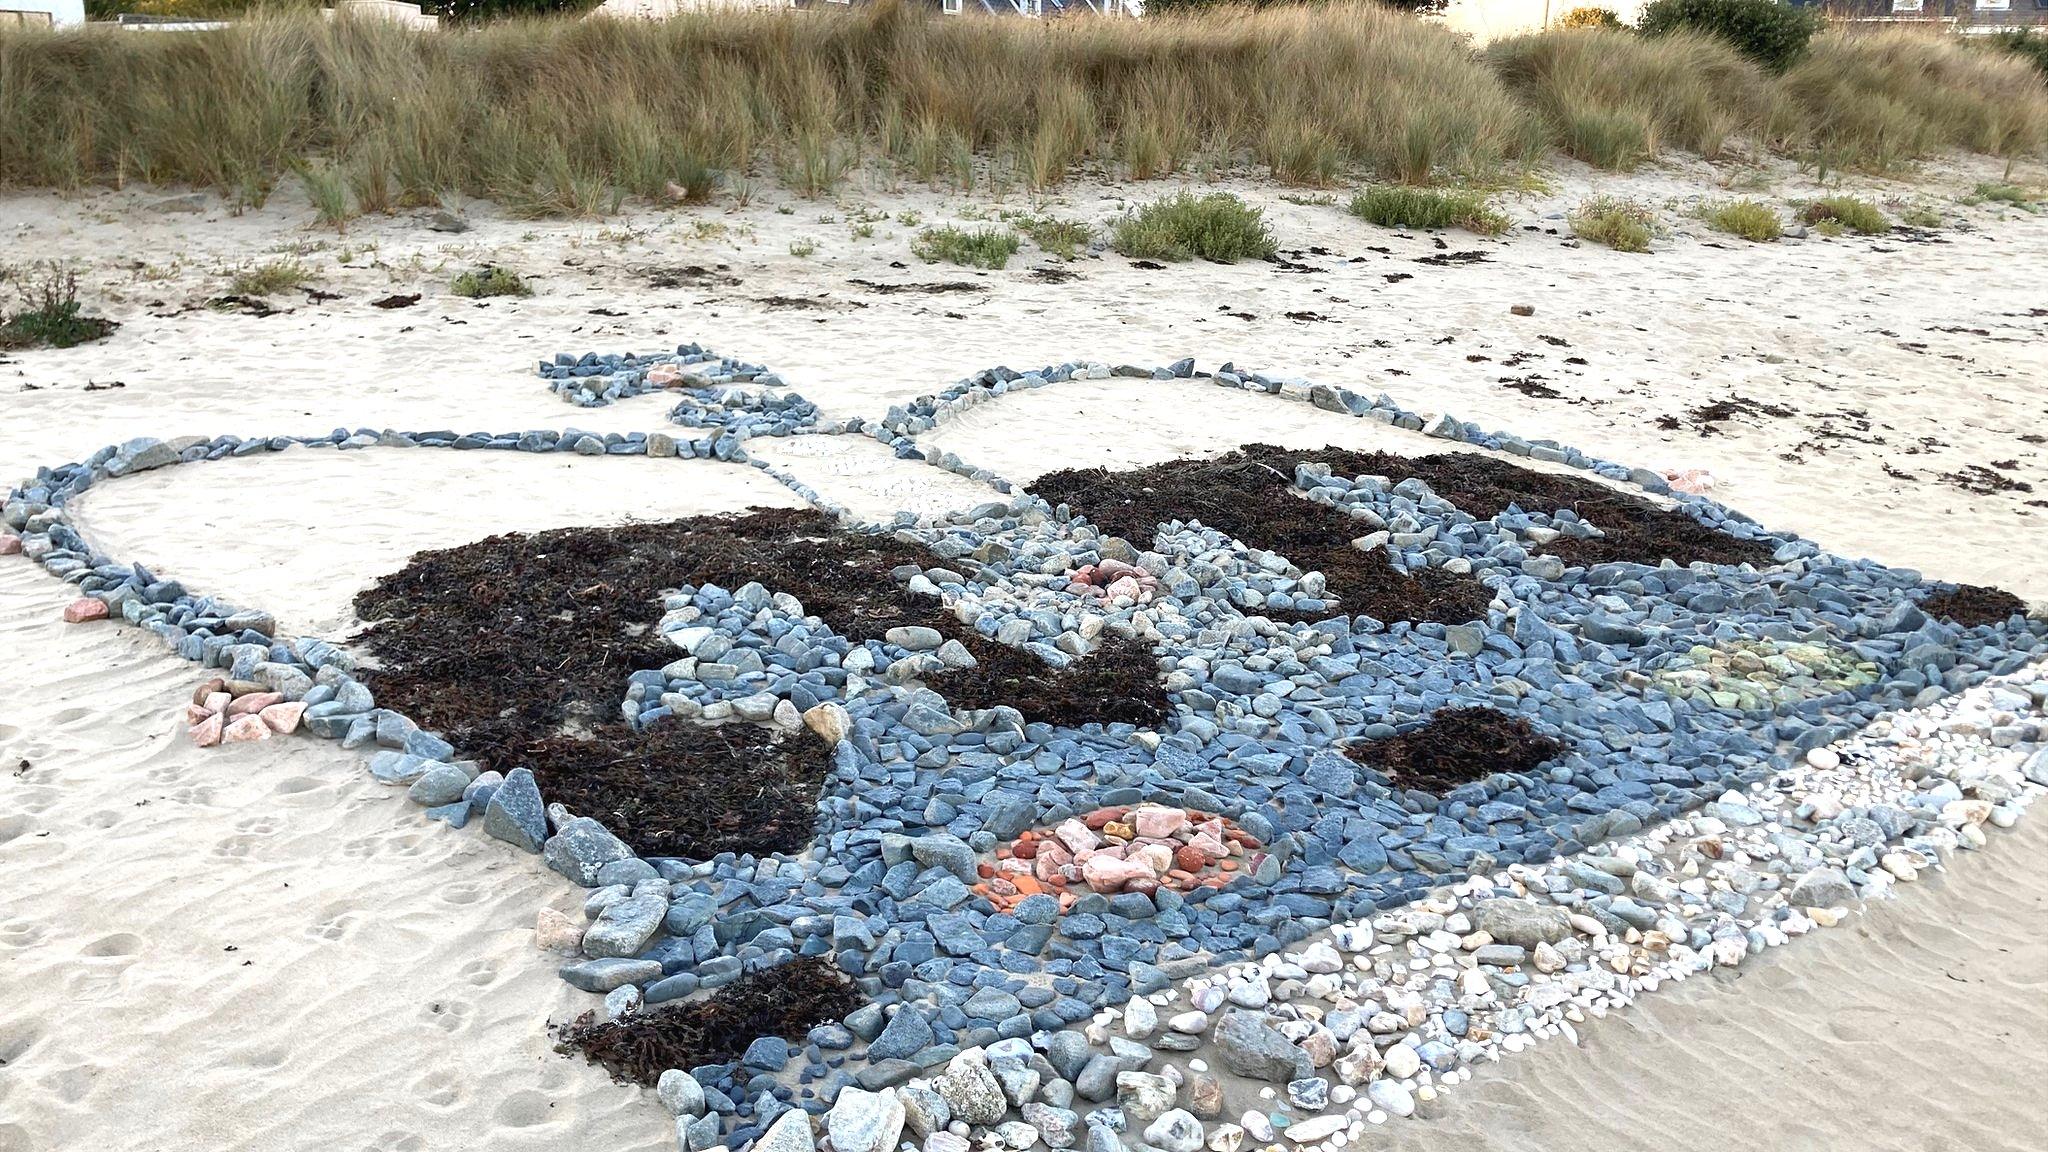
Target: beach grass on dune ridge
549	116
568	116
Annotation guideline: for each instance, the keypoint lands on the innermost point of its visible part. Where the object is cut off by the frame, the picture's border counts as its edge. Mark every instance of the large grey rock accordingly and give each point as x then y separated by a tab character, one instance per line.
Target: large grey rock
1521	922
625	926
1248	1046
1144	1096
680	1093
1822	888
791	1132
602	976
581	848
1176	1131
515	813
971	1090
862	1121
906	1034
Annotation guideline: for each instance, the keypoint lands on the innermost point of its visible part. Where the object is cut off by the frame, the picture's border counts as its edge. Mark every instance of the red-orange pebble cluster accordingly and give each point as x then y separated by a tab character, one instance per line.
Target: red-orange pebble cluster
1131	848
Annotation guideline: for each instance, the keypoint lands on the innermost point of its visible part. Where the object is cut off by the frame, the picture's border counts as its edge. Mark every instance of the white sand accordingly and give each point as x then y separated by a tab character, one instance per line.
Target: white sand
391	998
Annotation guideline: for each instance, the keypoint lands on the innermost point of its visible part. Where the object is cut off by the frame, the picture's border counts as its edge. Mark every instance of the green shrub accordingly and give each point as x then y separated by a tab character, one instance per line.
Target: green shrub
1623	225
491	281
51	316
1218	227
1750	219
1847	211
2033	45
983	248
1062	238
269	278
2011	194
1920	216
1396	206
1771	33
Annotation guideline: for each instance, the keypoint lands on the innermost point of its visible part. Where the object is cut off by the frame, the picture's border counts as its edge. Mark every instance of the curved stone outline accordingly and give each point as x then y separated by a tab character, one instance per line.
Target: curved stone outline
168	608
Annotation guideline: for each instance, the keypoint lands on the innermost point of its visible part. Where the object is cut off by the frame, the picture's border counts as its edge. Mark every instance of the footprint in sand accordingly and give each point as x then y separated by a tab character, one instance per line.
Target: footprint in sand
335	927
398	1142
462	893
293	785
117	945
20	933
104	820
258	825
450	1015
16	1038
14	826
235	846
168	774
481	972
523	1109
439	1088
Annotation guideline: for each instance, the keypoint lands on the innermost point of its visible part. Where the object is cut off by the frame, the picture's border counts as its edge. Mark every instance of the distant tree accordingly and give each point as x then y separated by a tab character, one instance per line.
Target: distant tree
1771	33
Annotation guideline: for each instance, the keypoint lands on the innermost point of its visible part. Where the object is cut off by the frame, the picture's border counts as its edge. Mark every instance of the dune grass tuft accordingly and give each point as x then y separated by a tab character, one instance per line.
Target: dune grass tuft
490	281
1623	225
1877	100
1752	220
1846	212
1616	100
1394	206
982	248
1218	227
269	278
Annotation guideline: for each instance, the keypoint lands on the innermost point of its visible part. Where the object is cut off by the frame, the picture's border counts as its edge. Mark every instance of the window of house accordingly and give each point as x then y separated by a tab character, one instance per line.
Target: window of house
1906	5
950	7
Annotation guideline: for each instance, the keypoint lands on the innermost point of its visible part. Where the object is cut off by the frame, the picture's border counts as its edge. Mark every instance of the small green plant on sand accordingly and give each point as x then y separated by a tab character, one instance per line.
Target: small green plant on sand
1623	225
1920	216
491	281
982	248
1218	227
50	316
1397	206
1846	212
1062	238
269	278
803	248
1752	220
1989	193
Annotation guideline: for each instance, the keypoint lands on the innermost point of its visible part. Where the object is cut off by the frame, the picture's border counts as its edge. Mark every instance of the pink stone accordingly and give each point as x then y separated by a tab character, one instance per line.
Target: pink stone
218	701
196	714
245	729
664	375
1125	586
1076	835
1106	874
85	608
1208	847
9	543
253	703
206	733
1158	821
283	718
557	932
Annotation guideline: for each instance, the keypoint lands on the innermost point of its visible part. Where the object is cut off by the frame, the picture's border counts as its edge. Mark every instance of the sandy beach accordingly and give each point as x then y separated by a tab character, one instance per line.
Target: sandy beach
258	947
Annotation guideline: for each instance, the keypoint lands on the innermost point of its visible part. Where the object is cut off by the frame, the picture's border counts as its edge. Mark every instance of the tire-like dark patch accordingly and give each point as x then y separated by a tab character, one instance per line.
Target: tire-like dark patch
1248	498
1971	605
1636	531
786	1001
519	647
1456	746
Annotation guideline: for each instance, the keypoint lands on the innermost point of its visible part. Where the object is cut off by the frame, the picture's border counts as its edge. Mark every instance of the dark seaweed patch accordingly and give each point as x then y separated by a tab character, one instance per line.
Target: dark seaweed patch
1248	498
1971	605
786	1001
1635	530
1456	746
